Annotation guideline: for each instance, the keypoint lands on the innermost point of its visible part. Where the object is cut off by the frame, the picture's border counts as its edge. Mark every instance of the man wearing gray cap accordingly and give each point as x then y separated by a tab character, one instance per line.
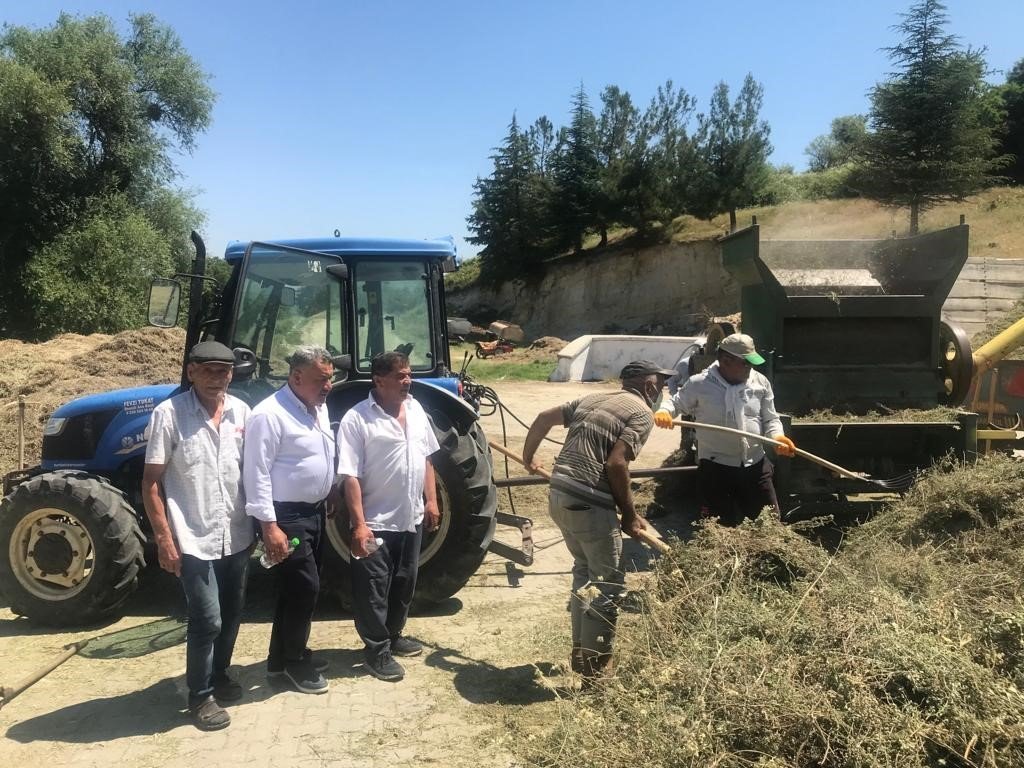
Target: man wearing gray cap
589	480
192	492
734	477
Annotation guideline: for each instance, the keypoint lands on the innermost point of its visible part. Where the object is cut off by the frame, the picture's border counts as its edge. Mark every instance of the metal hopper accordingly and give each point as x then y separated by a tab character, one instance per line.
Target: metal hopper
849	325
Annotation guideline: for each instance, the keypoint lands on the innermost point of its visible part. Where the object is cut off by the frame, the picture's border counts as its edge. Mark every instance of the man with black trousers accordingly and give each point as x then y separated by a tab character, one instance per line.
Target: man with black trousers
384	448
734	476
288	472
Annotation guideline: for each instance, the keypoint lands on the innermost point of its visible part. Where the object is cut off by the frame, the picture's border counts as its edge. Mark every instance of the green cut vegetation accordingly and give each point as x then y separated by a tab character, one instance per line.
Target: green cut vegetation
756	647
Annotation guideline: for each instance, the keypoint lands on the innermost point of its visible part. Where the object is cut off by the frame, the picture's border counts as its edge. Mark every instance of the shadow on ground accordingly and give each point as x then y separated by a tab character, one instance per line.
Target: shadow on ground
159	707
480	682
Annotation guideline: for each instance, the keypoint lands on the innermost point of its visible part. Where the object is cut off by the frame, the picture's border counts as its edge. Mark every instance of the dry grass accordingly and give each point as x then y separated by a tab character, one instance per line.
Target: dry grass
757	647
69	366
994	216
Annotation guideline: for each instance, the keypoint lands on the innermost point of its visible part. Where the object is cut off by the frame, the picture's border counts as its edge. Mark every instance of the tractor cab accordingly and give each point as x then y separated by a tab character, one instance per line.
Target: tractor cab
356	298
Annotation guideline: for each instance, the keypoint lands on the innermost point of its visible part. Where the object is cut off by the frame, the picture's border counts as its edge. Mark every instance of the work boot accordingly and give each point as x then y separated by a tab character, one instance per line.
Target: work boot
576	660
597	667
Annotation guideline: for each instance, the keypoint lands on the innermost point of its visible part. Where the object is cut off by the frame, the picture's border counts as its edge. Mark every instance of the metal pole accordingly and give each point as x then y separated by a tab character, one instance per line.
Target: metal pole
21	431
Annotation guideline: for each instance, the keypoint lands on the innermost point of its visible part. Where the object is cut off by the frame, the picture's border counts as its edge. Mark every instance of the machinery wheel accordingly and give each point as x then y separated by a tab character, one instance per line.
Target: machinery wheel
956	362
70	549
467	499
714	335
479	354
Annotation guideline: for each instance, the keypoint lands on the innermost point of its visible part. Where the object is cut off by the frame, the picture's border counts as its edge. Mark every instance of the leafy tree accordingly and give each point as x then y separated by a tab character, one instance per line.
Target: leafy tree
934	122
1013	139
839	146
508	211
88	120
732	156
90	279
576	174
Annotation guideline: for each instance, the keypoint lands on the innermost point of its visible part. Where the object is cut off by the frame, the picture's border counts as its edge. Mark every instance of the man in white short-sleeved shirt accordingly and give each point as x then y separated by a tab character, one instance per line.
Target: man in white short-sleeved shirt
384	448
192	492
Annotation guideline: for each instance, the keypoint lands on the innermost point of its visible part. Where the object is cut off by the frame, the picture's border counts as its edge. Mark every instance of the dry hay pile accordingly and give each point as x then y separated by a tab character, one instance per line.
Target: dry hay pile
759	648
69	366
998	325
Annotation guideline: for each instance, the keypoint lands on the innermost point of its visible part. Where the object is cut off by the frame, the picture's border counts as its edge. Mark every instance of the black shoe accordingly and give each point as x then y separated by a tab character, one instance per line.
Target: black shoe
319	664
403	646
305	678
208	715
384	667
226	689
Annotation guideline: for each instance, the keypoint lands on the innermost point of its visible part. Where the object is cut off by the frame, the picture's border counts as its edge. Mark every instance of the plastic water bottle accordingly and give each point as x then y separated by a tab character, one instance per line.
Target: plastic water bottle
265	560
371	546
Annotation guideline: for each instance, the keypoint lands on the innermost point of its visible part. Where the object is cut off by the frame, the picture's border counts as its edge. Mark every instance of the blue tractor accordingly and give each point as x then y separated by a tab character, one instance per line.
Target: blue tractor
73	533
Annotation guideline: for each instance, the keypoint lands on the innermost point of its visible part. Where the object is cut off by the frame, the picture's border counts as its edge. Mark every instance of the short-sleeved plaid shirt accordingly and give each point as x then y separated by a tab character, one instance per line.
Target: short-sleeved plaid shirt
596	423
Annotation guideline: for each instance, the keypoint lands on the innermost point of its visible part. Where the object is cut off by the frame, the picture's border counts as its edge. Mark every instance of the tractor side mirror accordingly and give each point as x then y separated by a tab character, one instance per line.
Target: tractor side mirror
342	367
164	302
245	363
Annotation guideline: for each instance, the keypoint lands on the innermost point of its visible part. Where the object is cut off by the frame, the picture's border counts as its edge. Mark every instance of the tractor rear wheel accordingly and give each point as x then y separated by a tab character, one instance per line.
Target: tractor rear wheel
467	500
70	549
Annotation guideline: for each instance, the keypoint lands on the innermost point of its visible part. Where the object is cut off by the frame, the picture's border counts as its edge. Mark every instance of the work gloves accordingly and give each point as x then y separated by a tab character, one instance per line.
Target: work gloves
785	447
663	419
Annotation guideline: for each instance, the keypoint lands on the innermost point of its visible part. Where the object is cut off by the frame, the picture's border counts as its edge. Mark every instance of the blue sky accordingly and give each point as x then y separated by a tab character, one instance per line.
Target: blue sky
375	118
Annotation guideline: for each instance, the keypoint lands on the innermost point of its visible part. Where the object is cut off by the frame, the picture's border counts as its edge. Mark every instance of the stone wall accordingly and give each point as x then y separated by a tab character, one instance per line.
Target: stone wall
665	289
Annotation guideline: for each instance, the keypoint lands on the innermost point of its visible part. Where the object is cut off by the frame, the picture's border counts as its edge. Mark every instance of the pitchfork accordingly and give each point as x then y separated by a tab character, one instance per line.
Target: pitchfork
895	484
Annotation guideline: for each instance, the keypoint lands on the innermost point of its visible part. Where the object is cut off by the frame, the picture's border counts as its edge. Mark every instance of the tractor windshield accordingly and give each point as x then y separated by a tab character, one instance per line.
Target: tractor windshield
288	299
393	311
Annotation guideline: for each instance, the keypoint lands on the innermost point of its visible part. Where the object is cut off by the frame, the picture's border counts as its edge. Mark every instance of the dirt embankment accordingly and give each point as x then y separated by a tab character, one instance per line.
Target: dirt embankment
69	366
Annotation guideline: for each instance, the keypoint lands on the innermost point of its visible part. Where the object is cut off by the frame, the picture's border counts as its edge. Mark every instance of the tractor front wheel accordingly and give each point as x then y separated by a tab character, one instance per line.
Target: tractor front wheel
70	549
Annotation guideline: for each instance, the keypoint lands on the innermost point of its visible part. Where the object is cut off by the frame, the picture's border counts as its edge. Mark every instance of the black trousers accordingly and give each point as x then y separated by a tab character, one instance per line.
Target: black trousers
297	581
382	588
734	493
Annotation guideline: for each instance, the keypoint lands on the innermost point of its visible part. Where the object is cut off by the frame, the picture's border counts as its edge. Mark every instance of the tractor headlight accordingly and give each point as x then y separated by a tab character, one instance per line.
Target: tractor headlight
54	426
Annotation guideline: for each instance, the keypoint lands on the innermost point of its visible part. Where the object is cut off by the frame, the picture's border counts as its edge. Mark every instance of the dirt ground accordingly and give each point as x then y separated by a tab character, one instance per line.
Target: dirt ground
495	652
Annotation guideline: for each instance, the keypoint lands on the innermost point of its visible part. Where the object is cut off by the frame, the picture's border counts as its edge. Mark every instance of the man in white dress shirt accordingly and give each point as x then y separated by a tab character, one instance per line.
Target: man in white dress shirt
192	492
384	448
288	474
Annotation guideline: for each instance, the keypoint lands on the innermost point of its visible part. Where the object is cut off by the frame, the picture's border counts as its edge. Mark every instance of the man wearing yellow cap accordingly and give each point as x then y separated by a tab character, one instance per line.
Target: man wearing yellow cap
734	477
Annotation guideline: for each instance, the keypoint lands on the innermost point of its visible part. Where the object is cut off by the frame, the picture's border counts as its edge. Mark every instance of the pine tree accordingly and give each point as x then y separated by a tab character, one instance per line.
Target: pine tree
576	176
1012	144
732	155
934	122
508	209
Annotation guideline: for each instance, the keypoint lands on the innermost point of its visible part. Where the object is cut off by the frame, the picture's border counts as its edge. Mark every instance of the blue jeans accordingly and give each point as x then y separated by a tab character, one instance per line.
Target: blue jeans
215	594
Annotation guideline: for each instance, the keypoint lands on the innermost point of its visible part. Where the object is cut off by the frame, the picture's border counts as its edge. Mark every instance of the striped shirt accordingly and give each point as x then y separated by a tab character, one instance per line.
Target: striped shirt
596	423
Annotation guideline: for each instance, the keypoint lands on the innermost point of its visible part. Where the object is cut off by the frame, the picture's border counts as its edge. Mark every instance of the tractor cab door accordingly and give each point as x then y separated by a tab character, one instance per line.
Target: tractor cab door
394	312
286	298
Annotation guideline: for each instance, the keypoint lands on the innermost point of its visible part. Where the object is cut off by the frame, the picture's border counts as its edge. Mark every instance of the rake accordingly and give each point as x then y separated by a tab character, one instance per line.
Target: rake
894	484
648	536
